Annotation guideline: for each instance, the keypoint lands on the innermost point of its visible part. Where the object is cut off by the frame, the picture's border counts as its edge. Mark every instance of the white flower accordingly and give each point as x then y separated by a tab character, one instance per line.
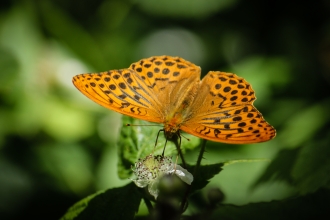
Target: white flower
150	169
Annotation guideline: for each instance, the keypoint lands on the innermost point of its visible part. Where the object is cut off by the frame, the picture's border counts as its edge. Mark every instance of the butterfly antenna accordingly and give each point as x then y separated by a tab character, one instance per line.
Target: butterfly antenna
132	125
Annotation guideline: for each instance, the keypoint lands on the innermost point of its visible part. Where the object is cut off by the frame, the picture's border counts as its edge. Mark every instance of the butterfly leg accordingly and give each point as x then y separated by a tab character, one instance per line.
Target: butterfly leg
157	141
178	147
164	148
200	156
177	144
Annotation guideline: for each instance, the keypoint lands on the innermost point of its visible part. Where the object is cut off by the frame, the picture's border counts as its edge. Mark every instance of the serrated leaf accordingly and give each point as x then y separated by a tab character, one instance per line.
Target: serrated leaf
203	175
139	141
116	203
78	207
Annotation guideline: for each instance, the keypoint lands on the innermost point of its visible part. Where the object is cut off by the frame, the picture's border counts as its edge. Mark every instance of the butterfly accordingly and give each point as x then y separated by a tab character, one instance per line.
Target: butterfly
169	90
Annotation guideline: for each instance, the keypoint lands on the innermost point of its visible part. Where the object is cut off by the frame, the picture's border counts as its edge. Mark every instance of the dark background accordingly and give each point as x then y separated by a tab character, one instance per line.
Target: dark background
56	146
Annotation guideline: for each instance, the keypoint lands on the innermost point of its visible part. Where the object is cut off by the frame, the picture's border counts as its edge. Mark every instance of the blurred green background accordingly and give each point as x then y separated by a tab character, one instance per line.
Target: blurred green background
57	146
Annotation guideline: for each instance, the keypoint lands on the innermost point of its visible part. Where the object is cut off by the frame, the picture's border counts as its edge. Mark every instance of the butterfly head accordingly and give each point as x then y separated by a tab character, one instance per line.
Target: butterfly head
171	131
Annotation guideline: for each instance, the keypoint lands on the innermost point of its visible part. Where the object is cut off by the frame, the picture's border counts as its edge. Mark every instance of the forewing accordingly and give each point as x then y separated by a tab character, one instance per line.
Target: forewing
149	89
123	91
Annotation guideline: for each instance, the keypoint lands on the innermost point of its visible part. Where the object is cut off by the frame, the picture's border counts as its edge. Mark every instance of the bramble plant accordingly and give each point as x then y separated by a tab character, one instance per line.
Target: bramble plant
165	195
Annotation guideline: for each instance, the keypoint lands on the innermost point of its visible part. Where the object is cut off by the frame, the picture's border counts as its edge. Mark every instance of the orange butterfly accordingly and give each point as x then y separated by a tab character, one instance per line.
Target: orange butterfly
168	90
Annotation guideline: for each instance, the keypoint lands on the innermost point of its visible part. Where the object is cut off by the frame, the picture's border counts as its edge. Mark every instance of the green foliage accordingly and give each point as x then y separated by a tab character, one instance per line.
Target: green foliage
306	167
110	204
302	164
93	207
311	170
184	8
295	208
203	175
113	203
133	142
54	17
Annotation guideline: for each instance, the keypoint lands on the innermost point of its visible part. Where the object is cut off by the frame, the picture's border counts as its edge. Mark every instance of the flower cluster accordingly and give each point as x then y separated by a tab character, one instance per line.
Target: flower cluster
149	170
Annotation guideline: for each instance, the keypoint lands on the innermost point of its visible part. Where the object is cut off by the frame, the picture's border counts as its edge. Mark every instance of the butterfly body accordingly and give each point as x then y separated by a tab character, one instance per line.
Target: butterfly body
168	90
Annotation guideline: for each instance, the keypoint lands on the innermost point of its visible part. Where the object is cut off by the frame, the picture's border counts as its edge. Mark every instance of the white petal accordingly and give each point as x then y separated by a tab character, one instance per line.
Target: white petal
153	188
141	183
184	175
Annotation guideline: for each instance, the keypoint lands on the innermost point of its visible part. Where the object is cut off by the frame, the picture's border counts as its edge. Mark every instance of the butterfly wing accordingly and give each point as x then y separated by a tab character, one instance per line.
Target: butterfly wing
145	90
170	78
223	111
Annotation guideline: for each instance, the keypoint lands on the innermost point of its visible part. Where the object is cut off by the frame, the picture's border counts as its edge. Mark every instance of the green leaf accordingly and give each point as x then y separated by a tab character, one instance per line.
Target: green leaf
294	134
312	168
279	168
306	167
203	175
139	141
313	206
9	66
78	207
116	203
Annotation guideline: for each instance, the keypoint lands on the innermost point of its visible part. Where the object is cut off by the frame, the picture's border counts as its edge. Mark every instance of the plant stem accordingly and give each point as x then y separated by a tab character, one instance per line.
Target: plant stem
200	156
178	147
198	163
